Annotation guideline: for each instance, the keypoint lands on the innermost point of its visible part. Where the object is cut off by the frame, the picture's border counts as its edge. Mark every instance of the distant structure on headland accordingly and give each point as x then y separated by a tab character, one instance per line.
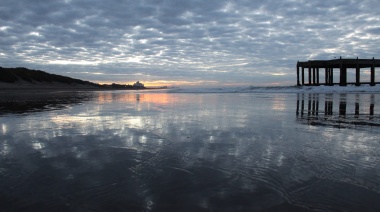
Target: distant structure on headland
313	67
138	85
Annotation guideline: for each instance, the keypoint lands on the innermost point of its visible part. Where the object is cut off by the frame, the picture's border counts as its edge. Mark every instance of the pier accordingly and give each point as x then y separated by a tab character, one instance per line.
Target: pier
313	71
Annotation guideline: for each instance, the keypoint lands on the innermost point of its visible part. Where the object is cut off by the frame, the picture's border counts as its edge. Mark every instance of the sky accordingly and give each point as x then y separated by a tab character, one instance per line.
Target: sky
185	42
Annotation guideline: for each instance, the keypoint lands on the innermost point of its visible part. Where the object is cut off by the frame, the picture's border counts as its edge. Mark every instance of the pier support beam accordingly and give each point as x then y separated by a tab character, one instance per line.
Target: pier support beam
372	75
329	76
317	76
343	76
303	76
309	75
298	75
357	75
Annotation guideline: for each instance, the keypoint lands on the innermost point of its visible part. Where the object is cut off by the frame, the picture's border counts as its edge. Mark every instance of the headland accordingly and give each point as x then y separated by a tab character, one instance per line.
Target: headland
24	79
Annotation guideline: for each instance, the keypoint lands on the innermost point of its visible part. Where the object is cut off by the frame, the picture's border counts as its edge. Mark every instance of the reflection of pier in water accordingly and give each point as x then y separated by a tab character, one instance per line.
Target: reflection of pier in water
336	111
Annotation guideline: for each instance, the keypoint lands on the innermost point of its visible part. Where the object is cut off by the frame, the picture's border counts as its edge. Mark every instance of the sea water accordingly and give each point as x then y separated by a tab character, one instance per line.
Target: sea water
227	149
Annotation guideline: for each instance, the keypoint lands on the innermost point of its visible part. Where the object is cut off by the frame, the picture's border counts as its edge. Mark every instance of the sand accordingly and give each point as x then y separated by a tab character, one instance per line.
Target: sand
141	151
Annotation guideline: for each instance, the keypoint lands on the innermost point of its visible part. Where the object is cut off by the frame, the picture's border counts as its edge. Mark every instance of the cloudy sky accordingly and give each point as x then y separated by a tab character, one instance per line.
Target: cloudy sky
185	42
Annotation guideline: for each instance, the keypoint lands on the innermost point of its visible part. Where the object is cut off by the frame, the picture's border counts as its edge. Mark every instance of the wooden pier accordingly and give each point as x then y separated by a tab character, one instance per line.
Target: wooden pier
313	67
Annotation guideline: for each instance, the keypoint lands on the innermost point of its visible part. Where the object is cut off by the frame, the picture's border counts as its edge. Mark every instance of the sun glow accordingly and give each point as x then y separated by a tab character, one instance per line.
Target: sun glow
279	74
167	83
155	98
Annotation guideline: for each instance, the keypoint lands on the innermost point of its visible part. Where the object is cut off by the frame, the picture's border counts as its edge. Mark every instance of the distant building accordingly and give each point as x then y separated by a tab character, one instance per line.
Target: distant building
138	85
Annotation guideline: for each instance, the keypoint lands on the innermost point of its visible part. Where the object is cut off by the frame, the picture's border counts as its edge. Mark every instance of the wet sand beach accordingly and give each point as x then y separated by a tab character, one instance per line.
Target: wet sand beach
161	151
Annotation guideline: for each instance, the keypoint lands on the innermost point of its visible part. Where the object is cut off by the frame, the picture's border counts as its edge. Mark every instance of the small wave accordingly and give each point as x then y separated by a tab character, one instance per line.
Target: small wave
280	89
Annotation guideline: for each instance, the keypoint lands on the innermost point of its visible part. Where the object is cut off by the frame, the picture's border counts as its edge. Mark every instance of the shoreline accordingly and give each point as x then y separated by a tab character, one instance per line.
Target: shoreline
25	87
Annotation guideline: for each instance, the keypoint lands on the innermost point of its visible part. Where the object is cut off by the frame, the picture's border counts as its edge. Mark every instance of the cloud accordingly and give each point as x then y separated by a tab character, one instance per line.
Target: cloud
374	30
172	40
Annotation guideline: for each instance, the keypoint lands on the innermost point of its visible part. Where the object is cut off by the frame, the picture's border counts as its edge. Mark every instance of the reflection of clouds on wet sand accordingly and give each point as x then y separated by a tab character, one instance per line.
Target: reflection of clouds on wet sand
187	151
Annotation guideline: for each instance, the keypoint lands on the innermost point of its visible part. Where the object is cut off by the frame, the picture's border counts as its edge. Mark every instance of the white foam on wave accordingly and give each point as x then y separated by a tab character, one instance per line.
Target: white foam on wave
282	89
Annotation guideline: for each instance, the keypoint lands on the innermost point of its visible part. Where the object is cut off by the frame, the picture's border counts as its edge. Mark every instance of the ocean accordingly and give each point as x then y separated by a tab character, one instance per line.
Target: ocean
191	149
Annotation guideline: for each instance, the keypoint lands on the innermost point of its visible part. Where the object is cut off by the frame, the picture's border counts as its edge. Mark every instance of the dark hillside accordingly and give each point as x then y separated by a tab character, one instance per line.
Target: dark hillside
11	75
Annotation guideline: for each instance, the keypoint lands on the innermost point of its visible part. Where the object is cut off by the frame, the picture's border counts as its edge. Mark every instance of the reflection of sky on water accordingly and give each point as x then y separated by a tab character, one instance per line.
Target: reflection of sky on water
203	151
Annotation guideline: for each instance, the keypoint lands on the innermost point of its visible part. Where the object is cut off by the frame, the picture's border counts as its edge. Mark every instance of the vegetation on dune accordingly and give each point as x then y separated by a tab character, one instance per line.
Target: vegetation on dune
11	75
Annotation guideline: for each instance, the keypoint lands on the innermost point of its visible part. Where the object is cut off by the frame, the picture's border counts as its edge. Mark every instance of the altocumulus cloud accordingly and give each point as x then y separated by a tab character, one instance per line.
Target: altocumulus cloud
214	42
